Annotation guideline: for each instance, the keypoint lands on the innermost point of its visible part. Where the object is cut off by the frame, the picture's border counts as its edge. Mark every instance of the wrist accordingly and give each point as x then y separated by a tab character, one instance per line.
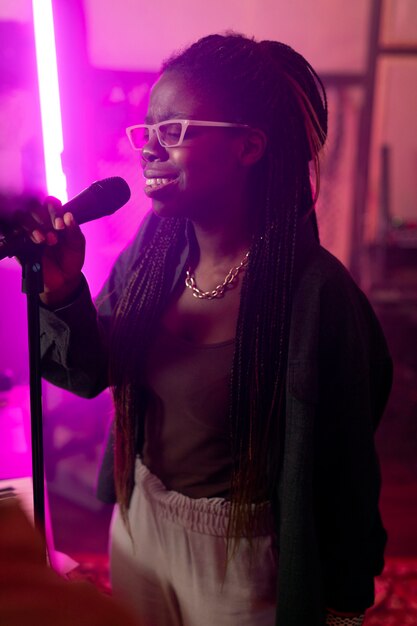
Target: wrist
64	295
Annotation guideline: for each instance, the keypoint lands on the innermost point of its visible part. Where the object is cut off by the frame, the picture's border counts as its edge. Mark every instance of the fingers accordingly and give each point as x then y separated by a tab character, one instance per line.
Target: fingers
50	223
42	222
47	221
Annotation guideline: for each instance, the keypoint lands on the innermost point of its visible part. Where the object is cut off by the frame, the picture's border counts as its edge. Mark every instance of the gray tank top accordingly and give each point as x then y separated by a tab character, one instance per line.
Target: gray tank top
187	436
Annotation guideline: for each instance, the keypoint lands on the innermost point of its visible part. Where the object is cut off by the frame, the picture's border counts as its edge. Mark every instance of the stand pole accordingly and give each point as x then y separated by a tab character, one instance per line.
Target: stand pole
32	286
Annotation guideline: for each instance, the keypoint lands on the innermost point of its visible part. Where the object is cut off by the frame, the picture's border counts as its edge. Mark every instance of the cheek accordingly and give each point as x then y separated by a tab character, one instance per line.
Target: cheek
210	168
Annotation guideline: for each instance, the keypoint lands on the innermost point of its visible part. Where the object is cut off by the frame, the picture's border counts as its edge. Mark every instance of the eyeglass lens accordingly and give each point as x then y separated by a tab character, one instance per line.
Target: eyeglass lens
169	134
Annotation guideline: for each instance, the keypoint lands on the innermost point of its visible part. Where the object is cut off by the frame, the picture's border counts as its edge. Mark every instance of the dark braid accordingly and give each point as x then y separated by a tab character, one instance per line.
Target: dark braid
139	308
269	86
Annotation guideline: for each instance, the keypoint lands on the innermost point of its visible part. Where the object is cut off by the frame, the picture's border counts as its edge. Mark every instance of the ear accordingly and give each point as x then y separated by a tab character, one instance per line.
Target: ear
252	147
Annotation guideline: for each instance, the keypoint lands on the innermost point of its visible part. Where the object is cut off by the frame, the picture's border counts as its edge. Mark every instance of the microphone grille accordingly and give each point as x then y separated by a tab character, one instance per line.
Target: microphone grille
103	197
112	193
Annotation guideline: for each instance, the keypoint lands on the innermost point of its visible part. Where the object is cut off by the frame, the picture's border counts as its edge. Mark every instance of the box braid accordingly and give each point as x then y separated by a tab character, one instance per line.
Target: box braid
269	86
140	305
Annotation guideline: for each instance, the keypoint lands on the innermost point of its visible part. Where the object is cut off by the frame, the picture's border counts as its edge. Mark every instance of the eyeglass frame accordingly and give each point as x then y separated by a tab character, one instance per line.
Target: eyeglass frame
154	128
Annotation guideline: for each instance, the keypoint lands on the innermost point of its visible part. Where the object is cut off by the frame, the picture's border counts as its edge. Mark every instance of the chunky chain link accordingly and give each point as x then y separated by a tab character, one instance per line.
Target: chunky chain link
218	291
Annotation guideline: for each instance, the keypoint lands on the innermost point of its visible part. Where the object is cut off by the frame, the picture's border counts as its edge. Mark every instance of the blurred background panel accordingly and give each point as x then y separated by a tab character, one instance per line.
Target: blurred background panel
148	33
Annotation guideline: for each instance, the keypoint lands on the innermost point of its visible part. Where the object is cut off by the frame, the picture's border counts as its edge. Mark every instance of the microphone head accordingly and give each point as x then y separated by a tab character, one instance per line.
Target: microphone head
103	197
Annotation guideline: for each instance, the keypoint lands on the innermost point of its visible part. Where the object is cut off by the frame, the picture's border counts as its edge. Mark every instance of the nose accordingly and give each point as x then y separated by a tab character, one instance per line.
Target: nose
152	150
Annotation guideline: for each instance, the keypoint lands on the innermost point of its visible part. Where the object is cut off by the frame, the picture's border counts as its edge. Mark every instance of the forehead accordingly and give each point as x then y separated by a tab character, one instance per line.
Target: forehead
174	97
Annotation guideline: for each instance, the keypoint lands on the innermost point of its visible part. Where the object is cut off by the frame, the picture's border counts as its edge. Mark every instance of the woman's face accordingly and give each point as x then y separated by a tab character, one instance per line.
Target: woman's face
204	175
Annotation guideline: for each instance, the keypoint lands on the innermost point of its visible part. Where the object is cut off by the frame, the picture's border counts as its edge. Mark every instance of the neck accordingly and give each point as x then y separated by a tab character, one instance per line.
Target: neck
225	239
221	245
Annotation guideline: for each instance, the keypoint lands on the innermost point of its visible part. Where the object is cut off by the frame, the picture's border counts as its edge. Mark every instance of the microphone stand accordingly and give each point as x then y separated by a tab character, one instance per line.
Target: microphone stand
30	257
101	198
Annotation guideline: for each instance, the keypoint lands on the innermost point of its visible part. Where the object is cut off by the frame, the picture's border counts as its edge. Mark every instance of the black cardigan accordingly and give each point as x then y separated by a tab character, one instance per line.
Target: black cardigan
331	539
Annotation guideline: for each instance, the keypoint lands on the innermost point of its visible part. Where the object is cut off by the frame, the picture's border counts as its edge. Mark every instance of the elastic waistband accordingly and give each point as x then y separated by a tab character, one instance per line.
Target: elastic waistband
209	516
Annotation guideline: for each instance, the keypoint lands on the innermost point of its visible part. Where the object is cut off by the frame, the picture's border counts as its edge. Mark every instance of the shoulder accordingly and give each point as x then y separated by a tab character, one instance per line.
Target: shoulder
335	335
339	292
329	306
322	269
316	270
325	282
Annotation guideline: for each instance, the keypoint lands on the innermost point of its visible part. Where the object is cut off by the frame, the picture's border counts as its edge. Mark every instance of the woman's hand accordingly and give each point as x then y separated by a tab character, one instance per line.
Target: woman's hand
63	251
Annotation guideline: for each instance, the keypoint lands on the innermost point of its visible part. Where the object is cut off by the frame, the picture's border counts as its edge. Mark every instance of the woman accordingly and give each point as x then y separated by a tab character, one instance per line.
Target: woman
248	370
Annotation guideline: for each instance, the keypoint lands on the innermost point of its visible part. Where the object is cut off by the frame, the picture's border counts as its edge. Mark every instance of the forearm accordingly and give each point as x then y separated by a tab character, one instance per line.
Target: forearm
64	295
74	346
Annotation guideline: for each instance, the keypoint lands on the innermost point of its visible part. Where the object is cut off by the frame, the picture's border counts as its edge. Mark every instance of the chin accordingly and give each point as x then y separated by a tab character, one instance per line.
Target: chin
166	209
170	208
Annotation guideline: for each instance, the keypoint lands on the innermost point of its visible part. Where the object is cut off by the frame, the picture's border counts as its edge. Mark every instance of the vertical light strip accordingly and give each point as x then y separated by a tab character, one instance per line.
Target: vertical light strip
53	143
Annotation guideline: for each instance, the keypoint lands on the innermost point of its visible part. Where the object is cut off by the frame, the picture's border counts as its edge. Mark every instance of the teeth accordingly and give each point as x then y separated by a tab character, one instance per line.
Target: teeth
154	182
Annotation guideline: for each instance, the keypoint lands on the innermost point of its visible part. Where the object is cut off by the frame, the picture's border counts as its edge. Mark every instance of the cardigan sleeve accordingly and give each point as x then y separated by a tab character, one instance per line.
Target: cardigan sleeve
74	346
354	383
75	338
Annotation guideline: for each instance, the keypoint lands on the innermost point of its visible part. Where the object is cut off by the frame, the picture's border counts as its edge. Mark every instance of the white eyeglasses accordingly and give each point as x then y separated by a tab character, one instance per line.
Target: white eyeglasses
170	133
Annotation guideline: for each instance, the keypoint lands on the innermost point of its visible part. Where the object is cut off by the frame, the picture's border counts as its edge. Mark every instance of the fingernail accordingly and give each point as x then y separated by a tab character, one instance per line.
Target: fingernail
38	237
59	223
69	219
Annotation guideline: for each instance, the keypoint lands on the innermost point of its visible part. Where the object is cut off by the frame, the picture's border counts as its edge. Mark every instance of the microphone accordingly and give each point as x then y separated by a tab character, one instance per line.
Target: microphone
104	197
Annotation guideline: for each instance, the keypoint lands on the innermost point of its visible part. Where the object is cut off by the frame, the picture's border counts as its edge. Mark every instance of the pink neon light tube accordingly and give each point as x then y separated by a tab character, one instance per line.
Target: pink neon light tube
53	143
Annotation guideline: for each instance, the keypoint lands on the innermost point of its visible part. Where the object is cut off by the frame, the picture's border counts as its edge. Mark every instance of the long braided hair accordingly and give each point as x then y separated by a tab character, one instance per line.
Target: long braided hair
268	86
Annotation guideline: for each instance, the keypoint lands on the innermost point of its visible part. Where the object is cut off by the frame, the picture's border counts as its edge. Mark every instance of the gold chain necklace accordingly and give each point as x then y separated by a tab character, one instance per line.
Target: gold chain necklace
219	291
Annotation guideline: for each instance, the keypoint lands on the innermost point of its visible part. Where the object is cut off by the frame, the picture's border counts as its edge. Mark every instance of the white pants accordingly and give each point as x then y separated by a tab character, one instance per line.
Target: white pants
173	574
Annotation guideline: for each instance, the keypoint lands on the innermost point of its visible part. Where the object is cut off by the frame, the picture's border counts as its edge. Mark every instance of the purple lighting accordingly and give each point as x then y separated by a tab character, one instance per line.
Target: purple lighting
53	142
